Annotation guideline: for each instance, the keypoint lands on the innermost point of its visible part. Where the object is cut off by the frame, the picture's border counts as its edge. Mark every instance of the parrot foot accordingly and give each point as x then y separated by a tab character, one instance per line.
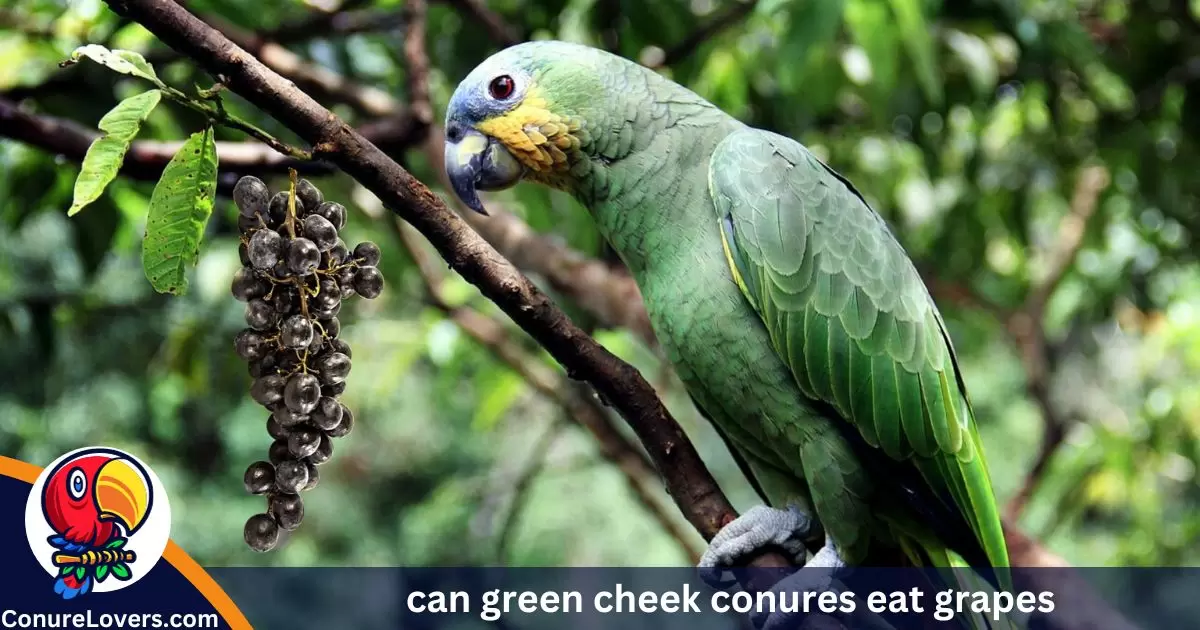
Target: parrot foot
819	575
761	526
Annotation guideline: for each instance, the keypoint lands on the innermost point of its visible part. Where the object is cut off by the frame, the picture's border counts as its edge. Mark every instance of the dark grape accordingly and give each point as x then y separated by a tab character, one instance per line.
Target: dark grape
278	209
334	389
278	451
345	280
366	254
320	231
304	442
328	295
251	196
261	315
345	426
334	368
261	532
288	418
340	345
329	313
267	389
332	327
336	255
323	451
248	285
314	475
264	248
250	345
340	251
308	194
244	254
286	299
259	477
247	225
302	393
281	271
265	365
334	212
296	332
368	282
328	414
290	475
287	507
288	361
275	428
302	256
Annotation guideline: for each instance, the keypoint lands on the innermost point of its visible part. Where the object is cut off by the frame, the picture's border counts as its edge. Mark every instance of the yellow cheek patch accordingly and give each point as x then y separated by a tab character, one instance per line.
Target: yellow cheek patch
541	139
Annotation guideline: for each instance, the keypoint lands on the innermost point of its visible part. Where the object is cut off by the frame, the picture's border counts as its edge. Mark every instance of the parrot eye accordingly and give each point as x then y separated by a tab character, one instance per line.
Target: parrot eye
76	484
502	87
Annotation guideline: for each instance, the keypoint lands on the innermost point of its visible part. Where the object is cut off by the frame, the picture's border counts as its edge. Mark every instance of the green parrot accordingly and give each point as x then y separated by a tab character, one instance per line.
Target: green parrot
794	318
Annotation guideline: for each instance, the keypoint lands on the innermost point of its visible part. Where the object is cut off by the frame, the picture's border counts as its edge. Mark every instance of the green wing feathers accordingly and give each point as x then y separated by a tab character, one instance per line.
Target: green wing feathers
847	311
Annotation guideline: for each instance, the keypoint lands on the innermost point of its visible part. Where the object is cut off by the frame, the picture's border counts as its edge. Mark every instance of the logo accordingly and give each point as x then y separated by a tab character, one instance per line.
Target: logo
97	520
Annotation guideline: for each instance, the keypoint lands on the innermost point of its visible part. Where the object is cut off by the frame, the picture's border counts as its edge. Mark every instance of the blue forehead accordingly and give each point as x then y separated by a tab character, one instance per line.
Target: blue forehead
470	102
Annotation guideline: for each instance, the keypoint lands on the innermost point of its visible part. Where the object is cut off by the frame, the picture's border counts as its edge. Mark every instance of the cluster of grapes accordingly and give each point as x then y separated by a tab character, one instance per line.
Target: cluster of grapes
295	273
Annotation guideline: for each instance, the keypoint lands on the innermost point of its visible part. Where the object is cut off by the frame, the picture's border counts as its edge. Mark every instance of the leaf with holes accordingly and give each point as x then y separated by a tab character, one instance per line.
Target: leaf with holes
123	61
104	158
179	209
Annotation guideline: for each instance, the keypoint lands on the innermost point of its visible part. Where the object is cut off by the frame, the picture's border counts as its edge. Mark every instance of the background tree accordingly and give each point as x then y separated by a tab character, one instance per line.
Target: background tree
1035	158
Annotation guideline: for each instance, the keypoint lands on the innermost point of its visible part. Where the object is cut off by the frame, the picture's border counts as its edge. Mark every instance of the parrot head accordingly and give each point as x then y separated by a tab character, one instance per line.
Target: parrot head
533	111
88	496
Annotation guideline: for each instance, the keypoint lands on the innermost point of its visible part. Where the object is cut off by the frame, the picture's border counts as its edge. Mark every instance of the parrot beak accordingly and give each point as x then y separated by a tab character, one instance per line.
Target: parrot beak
123	493
477	162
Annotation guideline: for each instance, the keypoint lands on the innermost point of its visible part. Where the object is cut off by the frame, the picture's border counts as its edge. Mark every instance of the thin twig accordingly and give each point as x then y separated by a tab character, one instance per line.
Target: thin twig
417	63
535	463
213	110
501	32
719	23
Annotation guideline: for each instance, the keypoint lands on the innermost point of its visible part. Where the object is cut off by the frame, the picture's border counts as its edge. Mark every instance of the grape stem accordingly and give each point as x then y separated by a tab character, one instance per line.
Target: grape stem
290	222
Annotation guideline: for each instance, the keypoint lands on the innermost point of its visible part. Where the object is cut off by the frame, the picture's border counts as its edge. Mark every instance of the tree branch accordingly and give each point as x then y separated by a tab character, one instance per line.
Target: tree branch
687	480
1027	329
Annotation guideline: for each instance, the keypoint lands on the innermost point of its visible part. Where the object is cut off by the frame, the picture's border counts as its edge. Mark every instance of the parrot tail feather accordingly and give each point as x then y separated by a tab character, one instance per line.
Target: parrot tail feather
951	571
69	587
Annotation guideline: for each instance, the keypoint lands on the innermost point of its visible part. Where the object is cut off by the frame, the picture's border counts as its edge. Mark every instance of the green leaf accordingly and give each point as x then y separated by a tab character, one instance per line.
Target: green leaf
104	158
914	32
116	544
120	571
80	572
64	571
101	572
123	61
179	209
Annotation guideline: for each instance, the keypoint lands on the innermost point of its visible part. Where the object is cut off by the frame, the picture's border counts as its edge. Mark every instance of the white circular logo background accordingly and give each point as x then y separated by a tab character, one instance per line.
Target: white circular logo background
148	542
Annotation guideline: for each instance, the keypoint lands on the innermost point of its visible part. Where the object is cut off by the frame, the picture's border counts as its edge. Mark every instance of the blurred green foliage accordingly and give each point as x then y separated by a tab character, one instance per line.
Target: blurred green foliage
966	124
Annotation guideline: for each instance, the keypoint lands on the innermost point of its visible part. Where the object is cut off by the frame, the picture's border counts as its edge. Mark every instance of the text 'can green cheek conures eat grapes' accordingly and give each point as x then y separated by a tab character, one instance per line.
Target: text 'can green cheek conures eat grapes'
295	273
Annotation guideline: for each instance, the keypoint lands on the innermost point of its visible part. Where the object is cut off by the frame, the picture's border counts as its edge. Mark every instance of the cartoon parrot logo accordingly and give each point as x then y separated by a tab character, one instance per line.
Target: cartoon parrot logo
94	501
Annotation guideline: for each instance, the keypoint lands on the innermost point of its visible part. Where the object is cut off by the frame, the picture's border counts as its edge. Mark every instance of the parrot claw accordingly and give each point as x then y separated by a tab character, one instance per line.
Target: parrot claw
819	575
759	527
